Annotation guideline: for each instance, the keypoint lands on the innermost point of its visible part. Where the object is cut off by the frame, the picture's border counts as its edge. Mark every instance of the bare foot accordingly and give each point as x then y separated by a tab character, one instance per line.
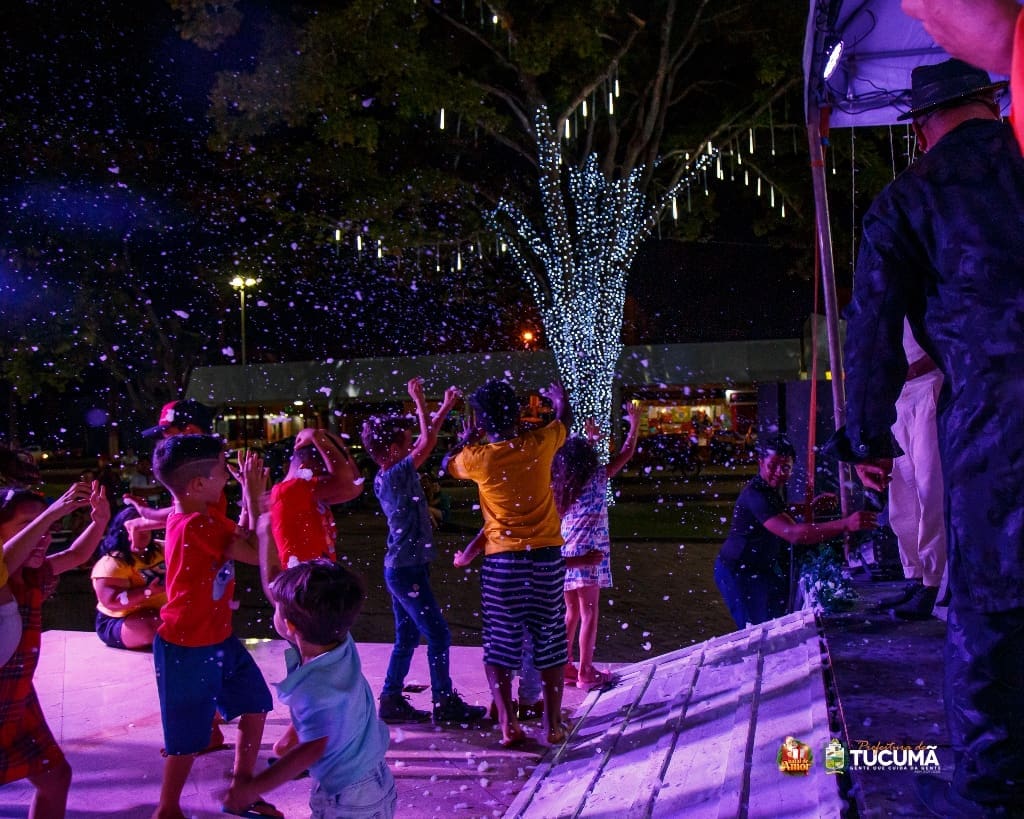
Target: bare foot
558	734
591	678
512	734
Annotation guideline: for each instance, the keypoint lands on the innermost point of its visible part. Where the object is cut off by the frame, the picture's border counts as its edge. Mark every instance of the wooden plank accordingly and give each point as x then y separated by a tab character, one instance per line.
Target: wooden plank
632	772
695	733
792	703
559	784
694	782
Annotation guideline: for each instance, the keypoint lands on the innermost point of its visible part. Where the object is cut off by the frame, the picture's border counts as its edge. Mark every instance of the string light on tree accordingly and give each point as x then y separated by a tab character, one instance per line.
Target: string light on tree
584	243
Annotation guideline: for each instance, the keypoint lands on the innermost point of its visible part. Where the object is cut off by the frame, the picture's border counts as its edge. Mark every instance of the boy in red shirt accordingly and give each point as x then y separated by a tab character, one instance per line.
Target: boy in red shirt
321	473
201	666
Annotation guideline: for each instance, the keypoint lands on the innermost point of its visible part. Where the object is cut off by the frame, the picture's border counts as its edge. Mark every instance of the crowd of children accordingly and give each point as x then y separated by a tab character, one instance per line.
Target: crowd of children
538	488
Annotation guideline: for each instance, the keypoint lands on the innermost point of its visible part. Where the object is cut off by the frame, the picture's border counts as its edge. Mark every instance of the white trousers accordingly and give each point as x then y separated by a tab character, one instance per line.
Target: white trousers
916	512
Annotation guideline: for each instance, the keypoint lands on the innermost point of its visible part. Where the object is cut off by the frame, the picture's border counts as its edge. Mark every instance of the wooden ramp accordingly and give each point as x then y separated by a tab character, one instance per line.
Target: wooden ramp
696	733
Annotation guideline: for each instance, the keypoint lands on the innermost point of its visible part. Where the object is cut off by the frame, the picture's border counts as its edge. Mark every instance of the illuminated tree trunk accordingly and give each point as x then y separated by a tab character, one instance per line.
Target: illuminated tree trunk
576	261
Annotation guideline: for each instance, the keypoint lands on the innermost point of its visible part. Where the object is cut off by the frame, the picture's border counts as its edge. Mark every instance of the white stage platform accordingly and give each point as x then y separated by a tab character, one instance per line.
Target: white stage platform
694	733
102	706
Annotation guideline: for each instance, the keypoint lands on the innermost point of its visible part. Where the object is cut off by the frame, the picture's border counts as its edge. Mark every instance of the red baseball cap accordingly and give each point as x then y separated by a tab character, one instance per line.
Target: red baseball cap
181	414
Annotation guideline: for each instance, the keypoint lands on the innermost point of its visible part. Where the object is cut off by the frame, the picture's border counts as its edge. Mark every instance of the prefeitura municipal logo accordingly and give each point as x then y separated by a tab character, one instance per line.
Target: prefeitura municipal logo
892	756
835	756
794	757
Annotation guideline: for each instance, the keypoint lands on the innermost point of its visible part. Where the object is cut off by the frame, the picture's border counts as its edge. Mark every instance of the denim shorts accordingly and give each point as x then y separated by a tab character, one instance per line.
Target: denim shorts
373	797
193	682
109	629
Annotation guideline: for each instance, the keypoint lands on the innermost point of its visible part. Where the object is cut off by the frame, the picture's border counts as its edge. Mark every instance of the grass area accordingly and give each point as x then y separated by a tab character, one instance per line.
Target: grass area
660	519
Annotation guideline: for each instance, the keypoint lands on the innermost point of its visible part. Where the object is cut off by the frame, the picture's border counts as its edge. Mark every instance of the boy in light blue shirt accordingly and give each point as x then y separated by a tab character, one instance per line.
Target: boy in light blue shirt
407	561
341	740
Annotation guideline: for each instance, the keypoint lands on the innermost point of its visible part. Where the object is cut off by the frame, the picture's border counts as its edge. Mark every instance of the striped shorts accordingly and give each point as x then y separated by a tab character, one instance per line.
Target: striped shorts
524	588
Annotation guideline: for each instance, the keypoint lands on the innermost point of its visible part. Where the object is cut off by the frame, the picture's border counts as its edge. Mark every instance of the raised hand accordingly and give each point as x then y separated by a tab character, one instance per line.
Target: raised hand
100	508
415	388
451	396
76	496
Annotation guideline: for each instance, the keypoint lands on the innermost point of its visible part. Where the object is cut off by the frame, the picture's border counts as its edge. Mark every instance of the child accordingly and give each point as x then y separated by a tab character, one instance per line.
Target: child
341	741
522	576
185	417
27	747
530	704
407	561
201	666
320	473
129	583
580	485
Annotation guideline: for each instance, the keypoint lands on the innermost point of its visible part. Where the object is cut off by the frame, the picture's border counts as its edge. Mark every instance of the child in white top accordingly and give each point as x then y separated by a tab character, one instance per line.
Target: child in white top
580	485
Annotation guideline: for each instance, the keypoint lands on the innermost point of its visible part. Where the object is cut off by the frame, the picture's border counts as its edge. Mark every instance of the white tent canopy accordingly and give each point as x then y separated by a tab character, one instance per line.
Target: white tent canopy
880	47
875	47
867	85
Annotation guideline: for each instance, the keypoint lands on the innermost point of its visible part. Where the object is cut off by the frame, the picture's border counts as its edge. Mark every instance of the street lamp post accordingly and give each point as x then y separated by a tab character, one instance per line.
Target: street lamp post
240	284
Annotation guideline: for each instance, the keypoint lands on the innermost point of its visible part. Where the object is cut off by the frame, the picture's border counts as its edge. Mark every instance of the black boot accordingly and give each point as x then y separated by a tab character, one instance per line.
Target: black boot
918	607
397	708
452	710
900	597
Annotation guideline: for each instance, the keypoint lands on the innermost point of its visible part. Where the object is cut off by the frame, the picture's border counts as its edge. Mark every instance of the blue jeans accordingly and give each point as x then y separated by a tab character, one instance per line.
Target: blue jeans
371	798
416	613
752	595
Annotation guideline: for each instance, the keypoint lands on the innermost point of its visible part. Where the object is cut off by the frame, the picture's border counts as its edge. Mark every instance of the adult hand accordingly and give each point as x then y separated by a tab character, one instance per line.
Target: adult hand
451	396
979	32
555	393
470	432
239	796
875	474
860	521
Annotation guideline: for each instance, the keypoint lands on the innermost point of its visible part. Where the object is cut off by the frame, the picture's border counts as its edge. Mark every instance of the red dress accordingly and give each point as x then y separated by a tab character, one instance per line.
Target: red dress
27	746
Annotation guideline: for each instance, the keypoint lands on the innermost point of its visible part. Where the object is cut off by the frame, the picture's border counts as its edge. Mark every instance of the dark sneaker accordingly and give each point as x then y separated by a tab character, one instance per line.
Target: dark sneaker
901	597
918	607
397	708
452	710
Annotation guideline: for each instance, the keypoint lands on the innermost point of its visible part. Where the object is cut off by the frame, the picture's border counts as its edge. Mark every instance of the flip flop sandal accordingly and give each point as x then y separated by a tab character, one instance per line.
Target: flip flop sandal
600	678
260	809
516	740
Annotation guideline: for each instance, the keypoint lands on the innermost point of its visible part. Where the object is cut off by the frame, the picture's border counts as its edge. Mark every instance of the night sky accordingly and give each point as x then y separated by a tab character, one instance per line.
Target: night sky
111	197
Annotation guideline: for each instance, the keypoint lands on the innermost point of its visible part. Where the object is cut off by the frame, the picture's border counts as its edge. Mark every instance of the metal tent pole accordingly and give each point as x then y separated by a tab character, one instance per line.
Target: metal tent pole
815	117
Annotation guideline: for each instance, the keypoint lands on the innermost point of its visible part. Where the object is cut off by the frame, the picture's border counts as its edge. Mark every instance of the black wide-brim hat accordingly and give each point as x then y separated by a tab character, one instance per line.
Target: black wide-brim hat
933	86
